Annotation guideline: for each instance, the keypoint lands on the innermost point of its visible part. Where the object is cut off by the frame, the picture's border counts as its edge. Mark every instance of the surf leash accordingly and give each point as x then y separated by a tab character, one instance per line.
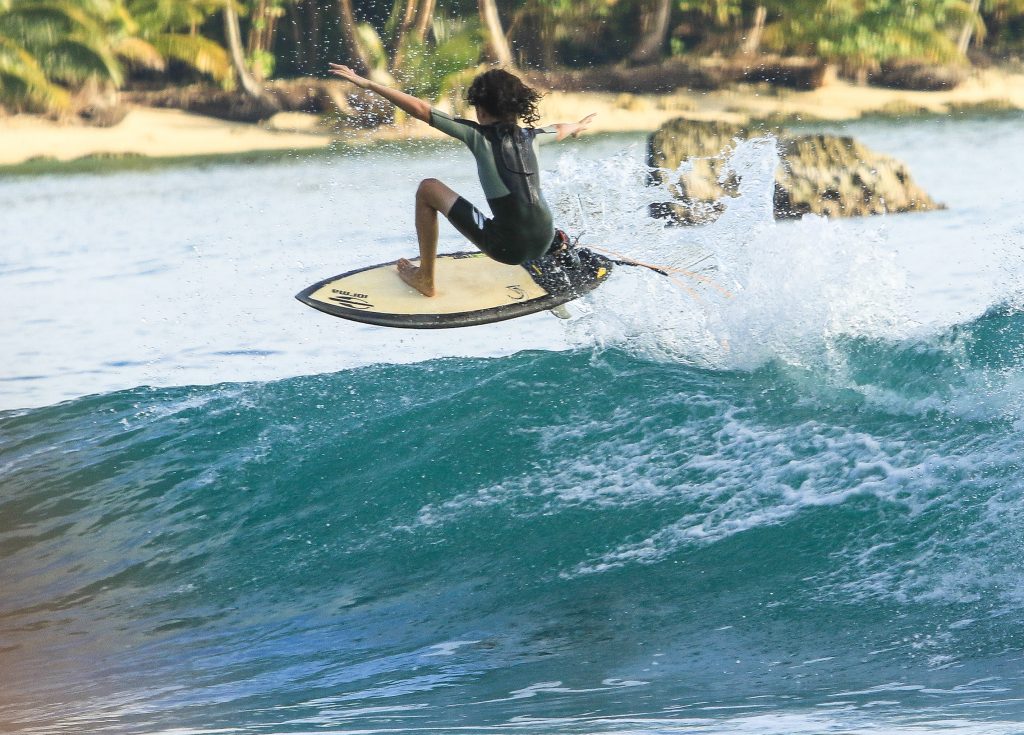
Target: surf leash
670	272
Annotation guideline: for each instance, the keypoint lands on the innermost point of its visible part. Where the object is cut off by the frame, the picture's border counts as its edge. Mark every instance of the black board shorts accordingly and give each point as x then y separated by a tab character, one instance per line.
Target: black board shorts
529	238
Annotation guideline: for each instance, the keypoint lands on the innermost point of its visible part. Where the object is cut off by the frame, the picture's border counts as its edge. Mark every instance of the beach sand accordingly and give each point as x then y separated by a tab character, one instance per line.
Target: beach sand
837	100
145	132
172	133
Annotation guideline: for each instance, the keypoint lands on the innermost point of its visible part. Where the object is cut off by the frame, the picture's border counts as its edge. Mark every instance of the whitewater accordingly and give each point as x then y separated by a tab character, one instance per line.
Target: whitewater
779	491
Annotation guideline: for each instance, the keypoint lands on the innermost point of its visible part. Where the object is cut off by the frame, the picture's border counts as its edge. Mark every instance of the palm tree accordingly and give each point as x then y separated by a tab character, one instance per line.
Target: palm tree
411	32
48	45
655	20
23	81
974	26
496	40
969	28
864	35
167	30
245	79
356	46
752	43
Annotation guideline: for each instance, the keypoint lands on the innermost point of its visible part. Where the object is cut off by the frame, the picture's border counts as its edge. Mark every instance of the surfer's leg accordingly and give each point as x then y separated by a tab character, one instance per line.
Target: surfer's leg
432	197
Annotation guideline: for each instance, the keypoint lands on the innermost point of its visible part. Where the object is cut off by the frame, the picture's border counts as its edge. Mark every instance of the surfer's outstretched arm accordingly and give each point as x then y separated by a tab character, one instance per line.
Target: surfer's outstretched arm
566	130
420	109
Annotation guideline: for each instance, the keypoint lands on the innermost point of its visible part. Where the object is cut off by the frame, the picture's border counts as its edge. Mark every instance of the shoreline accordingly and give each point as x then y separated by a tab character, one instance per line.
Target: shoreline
145	132
155	133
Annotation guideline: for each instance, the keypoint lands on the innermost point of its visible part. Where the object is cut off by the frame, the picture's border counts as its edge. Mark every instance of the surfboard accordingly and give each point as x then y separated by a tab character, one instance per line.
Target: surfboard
471	288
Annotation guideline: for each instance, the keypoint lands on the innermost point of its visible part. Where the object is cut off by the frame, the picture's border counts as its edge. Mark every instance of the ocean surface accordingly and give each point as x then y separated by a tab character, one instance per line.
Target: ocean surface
779	492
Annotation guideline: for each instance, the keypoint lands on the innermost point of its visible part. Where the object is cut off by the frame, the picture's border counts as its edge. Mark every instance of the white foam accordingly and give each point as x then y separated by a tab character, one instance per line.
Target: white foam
722	470
760	290
747	290
831	719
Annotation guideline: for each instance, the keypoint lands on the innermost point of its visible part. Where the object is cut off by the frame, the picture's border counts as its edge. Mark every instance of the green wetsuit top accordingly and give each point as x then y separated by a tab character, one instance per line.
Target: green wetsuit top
506	161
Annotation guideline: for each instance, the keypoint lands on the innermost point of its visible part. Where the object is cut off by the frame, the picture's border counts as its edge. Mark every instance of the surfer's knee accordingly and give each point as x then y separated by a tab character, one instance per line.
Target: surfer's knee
427	188
436	194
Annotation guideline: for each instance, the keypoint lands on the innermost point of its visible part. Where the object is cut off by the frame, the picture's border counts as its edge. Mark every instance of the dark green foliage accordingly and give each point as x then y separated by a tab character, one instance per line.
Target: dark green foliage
50	48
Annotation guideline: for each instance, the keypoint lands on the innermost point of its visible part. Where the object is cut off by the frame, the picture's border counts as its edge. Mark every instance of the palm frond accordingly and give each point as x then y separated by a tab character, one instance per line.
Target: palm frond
198	52
24	83
75	59
163	16
140	53
42	24
373	44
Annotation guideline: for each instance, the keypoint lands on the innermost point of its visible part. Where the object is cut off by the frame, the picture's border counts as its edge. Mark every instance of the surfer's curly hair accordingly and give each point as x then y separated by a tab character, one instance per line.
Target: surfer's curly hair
505	96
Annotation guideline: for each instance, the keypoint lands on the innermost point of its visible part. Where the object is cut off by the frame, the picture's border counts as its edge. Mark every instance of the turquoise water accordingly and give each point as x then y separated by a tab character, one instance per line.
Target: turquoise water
793	509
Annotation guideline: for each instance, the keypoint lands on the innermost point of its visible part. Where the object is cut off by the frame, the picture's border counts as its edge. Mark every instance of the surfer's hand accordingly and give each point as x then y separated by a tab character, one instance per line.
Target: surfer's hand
572	130
583	124
340	70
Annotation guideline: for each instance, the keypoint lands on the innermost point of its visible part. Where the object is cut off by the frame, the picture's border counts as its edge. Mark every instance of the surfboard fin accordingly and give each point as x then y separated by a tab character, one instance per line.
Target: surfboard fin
561	312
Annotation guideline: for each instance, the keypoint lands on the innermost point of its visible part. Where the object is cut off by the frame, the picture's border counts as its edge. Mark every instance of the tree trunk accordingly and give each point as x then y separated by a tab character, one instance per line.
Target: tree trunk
261	34
423	21
649	47
497	42
752	43
420	12
312	34
348	27
408	18
295	32
234	34
967	32
252	41
398	44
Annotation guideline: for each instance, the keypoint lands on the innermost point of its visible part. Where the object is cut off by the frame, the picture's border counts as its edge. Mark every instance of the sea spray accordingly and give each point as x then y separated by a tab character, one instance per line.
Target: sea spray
825	307
740	292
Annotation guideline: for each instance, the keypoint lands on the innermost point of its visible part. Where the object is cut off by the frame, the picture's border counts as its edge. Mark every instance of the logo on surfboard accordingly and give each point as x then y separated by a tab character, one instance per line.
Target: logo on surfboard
350	300
516	293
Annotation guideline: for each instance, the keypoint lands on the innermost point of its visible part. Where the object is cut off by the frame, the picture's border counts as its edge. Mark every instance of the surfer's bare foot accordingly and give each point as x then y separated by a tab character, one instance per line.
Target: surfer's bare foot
412	275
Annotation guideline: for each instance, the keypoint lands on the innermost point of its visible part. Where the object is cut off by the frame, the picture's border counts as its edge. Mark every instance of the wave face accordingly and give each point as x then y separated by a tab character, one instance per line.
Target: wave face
582	541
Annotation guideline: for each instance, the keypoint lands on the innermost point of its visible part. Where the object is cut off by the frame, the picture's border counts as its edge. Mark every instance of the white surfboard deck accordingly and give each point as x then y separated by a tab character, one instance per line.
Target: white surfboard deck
470	289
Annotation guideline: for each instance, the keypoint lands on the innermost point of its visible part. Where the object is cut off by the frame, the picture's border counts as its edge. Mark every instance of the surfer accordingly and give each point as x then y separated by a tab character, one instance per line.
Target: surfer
521	227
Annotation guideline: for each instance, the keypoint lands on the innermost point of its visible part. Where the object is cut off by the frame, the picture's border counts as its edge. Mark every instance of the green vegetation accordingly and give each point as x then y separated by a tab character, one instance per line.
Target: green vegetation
50	50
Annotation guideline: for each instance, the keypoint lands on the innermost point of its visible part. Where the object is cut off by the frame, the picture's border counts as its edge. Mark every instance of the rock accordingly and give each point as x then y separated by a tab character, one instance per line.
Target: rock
820	174
98	104
789	72
918	76
205	100
308	94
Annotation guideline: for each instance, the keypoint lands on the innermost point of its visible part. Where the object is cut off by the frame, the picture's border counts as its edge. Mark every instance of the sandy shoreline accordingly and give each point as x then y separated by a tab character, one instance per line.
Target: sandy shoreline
160	133
835	101
156	133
